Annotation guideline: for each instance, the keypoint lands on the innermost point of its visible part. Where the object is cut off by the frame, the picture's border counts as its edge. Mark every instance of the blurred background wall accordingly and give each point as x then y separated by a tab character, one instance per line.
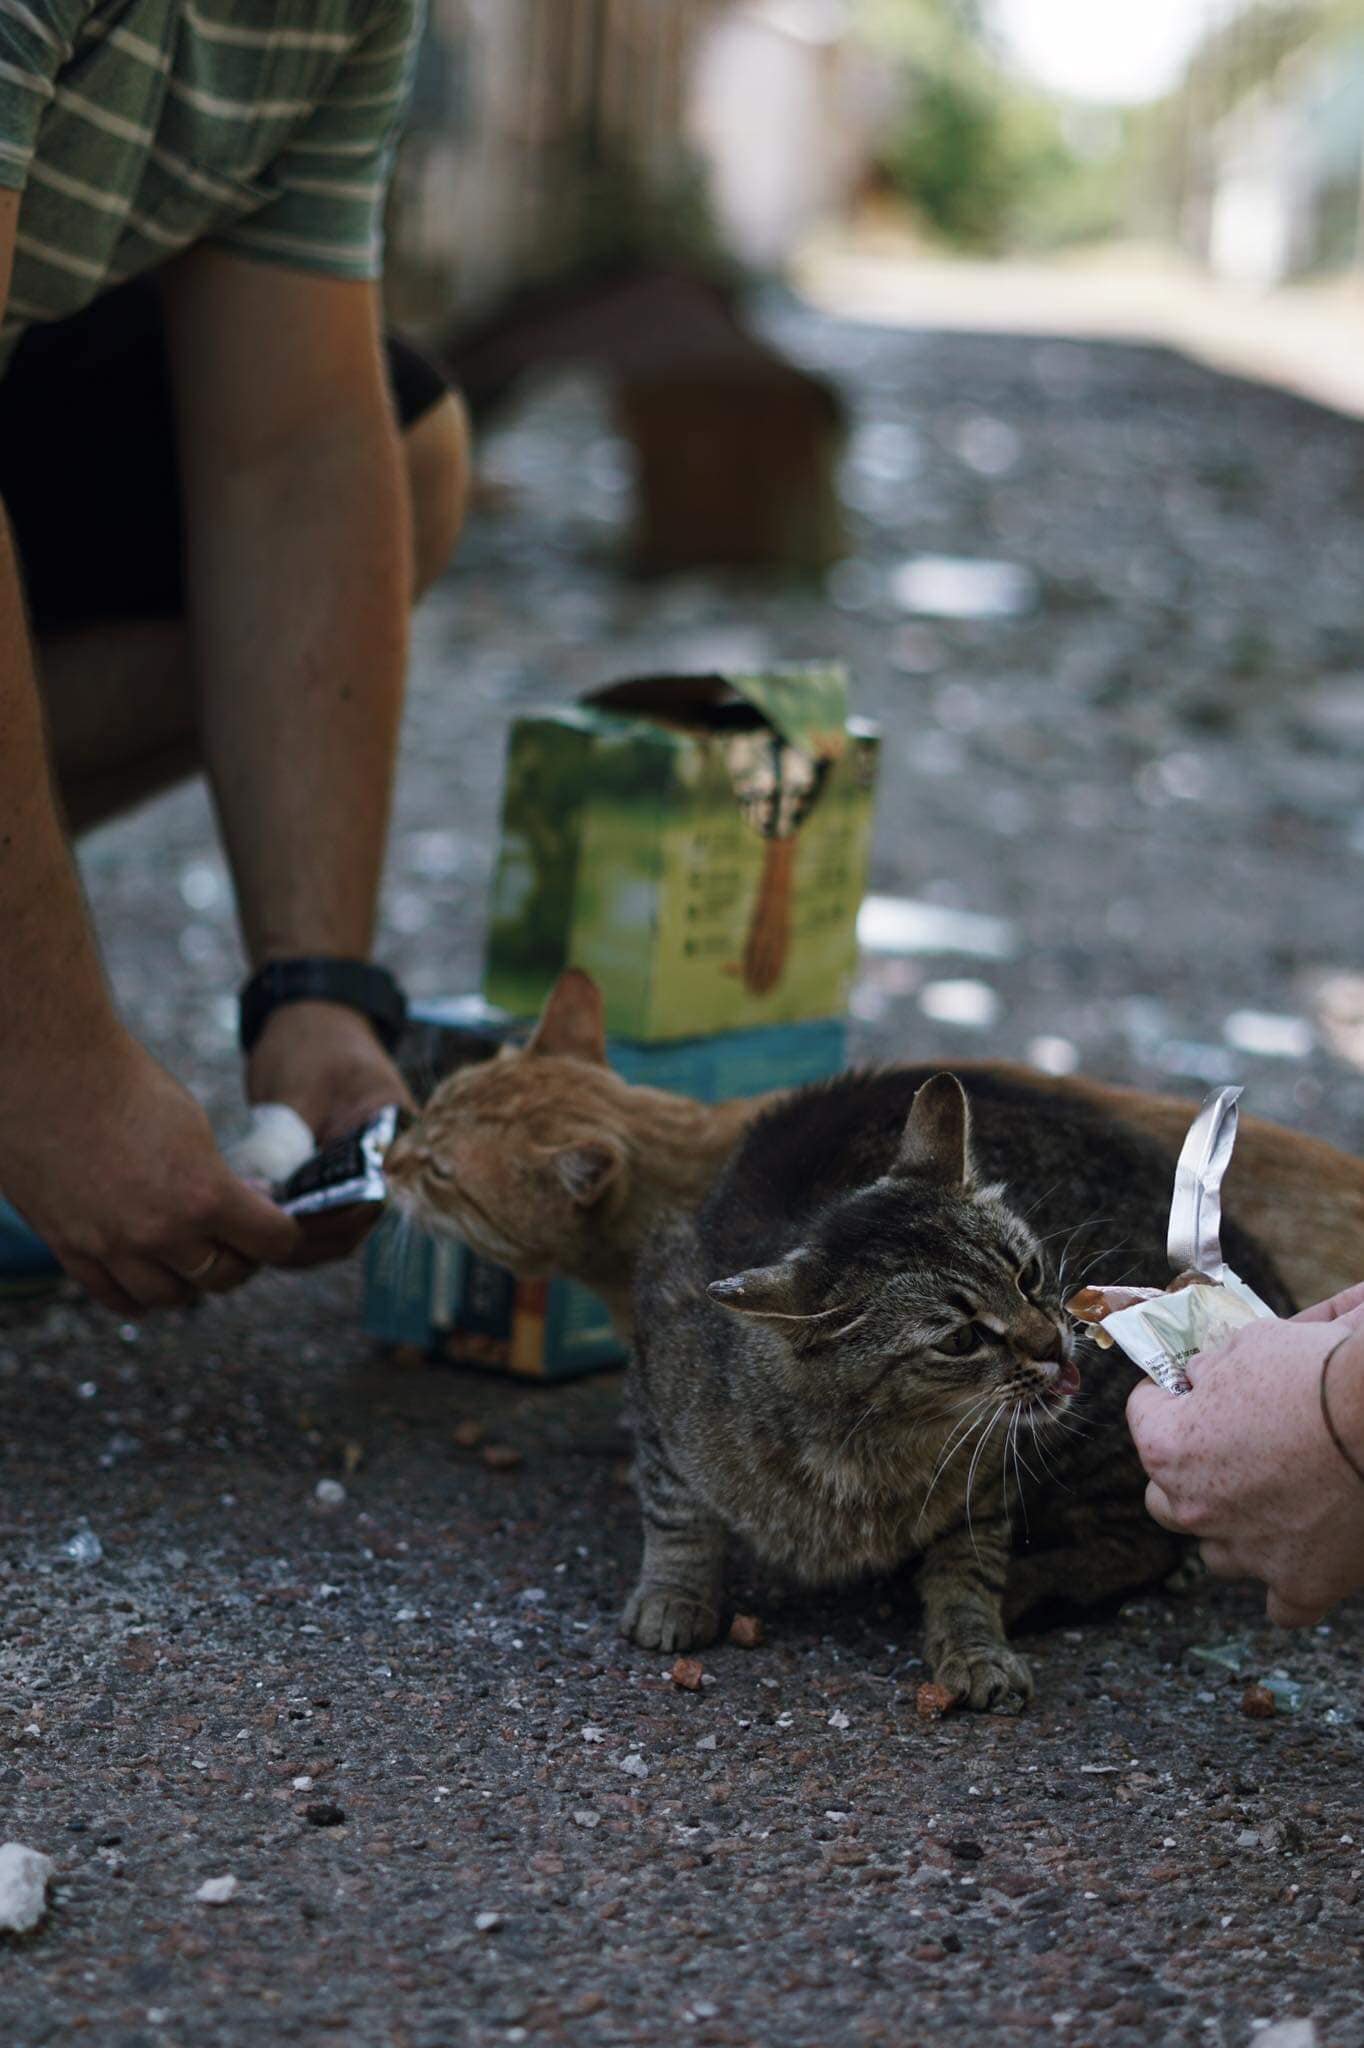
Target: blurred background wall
1193	144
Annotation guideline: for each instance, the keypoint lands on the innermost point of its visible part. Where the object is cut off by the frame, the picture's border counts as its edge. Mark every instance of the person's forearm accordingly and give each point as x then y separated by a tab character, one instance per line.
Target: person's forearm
299	589
53	992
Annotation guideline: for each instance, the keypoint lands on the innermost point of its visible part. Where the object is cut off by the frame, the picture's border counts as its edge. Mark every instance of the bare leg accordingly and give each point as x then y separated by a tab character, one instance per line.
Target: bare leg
119	704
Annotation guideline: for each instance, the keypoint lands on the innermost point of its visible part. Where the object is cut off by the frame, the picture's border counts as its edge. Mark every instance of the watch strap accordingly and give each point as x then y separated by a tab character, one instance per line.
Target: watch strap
358	984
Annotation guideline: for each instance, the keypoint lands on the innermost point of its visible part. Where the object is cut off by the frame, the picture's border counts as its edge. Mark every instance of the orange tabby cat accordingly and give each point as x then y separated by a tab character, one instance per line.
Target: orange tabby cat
544	1160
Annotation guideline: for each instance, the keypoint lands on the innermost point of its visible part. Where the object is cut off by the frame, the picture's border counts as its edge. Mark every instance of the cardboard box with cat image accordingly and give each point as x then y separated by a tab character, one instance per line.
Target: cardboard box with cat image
435	1294
698	844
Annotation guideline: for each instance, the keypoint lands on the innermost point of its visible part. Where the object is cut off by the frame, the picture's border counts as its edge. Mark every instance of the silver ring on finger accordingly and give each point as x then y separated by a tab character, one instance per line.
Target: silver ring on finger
203	1269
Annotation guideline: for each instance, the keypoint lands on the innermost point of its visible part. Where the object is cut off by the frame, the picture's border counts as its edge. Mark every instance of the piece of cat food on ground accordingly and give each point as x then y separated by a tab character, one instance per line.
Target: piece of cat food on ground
467	1435
1258	1703
747	1631
502	1457
687	1674
932	1701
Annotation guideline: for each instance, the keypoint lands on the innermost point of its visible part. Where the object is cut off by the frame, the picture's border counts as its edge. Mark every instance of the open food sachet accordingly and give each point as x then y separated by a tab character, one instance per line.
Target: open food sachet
278	1155
1162	1329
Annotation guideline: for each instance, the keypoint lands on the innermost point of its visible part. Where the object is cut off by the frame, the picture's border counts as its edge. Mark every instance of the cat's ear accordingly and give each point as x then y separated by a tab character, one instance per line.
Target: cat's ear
588	1169
777	1291
573	1022
936	1144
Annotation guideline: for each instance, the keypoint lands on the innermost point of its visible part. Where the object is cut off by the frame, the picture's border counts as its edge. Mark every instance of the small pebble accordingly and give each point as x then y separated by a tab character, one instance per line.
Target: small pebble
216	1891
24	1877
932	1701
1258	1703
746	1630
467	1435
329	1493
487	1923
501	1457
687	1674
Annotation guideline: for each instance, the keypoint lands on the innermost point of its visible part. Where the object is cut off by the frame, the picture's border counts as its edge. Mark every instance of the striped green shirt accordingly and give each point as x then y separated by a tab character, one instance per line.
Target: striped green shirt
134	128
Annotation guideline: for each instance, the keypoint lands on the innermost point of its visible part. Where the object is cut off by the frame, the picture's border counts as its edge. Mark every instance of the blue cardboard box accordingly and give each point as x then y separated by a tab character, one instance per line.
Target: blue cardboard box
437	1296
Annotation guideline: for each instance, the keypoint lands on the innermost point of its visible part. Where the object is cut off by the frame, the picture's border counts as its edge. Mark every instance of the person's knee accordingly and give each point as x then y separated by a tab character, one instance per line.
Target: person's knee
437	449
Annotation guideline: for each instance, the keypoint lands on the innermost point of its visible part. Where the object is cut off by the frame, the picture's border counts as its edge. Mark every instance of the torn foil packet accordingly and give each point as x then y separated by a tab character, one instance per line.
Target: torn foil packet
1161	1330
345	1173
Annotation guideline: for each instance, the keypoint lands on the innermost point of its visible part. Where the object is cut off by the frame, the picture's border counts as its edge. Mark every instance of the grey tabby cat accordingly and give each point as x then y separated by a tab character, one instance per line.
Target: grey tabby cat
855	1355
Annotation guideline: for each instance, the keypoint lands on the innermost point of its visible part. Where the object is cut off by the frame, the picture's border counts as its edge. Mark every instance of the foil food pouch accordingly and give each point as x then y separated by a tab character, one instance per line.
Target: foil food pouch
346	1172
1207	1302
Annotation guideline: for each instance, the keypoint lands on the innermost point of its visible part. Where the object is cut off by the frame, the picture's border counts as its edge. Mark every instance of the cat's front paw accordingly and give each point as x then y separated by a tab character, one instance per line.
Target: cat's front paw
994	1680
670	1618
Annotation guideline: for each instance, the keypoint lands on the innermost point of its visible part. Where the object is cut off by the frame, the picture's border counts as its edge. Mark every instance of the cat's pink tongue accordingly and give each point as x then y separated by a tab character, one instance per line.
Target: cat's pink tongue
1067	1380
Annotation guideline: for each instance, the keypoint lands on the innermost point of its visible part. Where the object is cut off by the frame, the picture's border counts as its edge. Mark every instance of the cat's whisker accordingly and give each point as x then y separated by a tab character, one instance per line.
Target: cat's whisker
1099	1258
1012	1448
818	1315
960	1435
1086	1223
1047	1466
1018	1453
1024	1214
971	1473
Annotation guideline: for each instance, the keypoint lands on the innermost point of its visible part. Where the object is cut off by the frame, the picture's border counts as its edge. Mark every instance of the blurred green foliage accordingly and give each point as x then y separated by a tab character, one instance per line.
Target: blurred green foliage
984	160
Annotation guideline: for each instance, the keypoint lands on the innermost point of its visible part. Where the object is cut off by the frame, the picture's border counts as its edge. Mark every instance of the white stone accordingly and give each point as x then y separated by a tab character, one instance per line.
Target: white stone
216	1891
24	1877
487	1923
329	1493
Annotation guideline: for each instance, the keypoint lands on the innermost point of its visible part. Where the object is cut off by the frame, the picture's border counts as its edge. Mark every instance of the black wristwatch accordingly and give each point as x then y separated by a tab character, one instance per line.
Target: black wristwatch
370	990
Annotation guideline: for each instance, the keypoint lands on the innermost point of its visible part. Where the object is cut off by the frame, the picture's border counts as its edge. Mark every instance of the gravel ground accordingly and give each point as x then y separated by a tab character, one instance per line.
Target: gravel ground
458	1809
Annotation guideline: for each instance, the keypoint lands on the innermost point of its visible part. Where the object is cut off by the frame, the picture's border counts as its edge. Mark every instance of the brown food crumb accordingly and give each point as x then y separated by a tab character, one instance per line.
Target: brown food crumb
501	1457
687	1674
467	1435
746	1630
932	1701
1258	1703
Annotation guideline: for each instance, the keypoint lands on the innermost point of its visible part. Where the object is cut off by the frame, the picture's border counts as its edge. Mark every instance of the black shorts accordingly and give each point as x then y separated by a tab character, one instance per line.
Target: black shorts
88	468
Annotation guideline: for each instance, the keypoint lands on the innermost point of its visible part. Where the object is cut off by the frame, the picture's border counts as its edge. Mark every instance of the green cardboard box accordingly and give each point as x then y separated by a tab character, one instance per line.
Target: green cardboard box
698	844
436	1296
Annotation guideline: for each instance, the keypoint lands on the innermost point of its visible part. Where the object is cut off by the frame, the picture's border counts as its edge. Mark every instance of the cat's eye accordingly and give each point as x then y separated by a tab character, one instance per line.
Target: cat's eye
436	1171
1033	1275
956	1344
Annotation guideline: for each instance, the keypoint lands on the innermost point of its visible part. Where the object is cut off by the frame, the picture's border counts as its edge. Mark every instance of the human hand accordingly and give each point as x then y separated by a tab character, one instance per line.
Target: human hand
325	1062
114	1165
1348	1304
1245	1463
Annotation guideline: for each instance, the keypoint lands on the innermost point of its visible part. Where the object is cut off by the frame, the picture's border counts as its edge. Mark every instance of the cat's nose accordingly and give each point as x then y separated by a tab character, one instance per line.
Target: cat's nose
1039	1338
